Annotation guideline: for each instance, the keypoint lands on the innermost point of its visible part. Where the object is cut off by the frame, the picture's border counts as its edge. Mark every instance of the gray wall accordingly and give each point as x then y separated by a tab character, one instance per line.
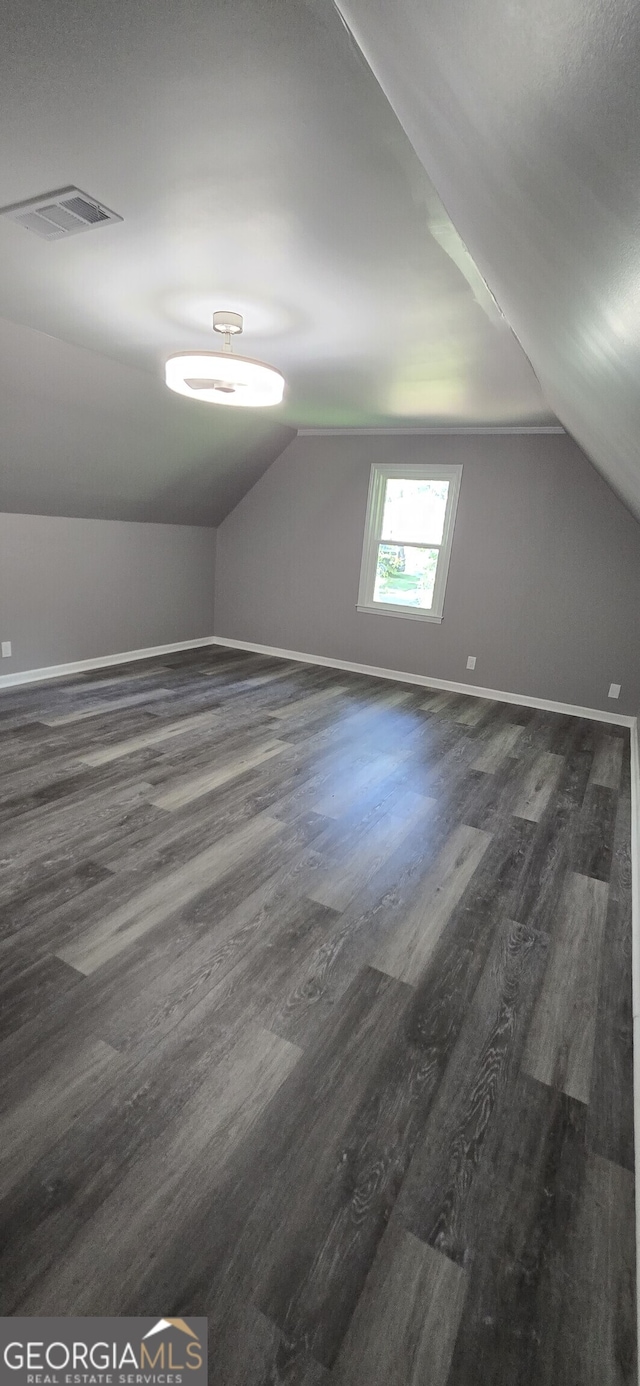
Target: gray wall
544	583
75	589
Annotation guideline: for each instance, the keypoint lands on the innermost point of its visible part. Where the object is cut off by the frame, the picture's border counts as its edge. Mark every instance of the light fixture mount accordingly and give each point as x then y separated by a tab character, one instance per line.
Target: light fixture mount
220	377
229	323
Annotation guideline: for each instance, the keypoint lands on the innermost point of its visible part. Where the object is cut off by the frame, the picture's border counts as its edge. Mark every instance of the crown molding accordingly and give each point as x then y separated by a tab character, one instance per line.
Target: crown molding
397	432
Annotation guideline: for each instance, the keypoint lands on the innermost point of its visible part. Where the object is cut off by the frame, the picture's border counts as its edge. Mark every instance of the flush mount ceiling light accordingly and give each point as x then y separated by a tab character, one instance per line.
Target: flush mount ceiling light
220	377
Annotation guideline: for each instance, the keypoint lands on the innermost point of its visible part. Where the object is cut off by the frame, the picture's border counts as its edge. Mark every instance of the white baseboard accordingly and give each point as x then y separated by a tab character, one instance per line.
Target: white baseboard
635	876
635	966
618	719
58	671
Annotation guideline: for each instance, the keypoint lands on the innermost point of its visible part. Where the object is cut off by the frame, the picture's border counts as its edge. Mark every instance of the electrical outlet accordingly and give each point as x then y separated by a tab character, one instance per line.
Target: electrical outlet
614	690
471	662
6	649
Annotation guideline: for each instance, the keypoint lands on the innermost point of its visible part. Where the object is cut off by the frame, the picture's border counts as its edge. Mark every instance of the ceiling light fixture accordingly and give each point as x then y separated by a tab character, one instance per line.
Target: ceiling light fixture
220	377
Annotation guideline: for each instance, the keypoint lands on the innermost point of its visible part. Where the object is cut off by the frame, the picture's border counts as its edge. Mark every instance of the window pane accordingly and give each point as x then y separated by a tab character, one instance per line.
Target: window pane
405	576
414	510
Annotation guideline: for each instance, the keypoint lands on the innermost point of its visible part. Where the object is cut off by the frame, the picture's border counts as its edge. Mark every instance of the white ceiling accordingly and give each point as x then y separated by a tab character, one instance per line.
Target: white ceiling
258	166
527	118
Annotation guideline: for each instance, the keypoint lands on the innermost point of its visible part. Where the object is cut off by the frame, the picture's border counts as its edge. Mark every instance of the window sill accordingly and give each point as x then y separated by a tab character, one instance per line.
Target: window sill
407	612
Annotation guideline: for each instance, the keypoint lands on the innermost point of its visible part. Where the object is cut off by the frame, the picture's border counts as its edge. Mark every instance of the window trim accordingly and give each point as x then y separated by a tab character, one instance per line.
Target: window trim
380	473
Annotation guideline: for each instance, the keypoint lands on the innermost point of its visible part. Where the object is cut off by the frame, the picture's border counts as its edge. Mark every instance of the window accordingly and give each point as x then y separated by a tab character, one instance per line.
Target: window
407	540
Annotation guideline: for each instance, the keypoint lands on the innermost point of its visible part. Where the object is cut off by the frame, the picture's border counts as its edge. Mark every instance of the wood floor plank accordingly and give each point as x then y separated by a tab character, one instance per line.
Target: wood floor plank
181	1169
551	847
65	787
316	1204
499	744
554	1241
538	786
386	1124
179	761
63	835
39	1116
97	709
28	983
376	1152
102	941
517	1231
299	707
594	1342
43	895
407	953
132	1105
593	846
492	804
607	761
404	1328
347	871
241	1240
561	1039
305	779
378	725
355	937
345	791
254	949
610	1120
133	669
173	837
432	1202
201	722
251	680
61	746
438	703
474	711
251	1351
557	733
185	791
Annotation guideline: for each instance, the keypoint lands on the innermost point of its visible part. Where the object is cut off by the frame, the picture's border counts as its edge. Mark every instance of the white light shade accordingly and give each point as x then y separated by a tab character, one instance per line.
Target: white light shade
222	378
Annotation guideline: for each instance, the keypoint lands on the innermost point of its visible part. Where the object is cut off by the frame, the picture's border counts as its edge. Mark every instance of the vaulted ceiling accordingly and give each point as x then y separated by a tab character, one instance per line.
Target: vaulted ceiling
527	118
294	162
257	165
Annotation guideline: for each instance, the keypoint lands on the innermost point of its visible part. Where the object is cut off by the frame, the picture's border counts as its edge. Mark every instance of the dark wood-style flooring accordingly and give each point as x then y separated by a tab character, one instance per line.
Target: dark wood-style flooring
316	1019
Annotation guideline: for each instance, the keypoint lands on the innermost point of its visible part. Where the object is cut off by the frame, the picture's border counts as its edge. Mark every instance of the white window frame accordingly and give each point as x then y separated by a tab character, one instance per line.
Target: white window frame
380	474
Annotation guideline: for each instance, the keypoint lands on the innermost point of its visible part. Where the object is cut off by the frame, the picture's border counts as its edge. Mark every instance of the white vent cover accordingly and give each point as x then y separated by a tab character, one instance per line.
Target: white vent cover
56	215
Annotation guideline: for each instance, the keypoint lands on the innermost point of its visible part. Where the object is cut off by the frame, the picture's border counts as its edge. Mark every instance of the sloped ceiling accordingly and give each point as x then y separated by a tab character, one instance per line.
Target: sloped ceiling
258	166
527	118
83	435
